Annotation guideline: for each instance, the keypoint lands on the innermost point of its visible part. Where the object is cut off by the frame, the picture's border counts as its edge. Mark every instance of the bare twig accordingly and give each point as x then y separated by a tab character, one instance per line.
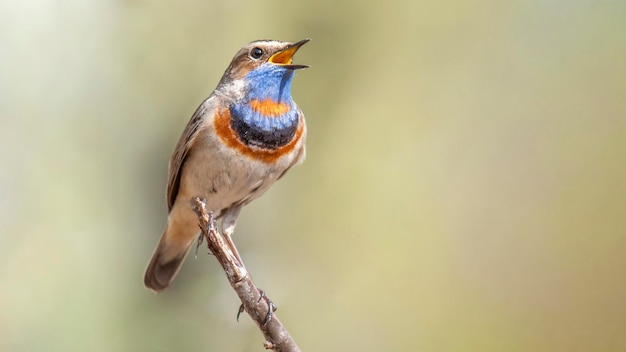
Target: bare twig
276	335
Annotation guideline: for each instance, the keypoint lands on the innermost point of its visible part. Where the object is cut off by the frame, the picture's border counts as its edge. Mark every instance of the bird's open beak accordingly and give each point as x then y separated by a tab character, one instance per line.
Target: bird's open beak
285	56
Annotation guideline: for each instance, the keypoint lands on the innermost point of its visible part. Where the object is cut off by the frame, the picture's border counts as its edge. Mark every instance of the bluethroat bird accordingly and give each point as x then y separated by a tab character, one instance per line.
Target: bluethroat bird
244	137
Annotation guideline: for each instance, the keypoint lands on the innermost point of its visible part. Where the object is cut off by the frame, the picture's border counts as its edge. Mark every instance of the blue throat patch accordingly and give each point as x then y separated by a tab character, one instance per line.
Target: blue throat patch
267	117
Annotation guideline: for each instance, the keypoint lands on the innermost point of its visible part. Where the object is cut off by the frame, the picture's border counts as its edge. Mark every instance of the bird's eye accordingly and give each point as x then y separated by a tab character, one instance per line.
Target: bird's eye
256	53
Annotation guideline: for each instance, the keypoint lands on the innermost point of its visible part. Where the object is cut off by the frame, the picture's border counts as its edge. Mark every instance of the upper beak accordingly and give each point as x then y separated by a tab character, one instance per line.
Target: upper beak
285	56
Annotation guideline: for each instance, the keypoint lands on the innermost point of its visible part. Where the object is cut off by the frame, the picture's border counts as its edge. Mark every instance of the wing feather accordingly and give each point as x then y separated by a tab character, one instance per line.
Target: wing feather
182	150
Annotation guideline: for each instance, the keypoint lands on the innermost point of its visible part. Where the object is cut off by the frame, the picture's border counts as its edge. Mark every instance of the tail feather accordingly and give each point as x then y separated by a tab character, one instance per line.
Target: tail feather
162	269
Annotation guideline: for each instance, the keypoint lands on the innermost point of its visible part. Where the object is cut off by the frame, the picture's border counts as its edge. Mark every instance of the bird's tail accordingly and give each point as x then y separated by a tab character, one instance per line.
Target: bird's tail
166	262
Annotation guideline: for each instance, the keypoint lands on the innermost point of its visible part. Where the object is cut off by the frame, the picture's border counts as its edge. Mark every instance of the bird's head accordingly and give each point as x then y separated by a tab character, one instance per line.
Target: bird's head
263	69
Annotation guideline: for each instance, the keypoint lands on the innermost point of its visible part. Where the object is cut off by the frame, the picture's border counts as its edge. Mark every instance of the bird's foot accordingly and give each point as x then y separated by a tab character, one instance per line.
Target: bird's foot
271	308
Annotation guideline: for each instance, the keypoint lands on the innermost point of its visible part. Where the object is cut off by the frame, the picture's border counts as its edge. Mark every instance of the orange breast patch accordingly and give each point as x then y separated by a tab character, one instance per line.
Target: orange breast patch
268	107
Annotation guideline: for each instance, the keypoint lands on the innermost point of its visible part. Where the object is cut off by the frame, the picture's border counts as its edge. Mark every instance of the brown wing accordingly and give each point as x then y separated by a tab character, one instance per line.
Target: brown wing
180	153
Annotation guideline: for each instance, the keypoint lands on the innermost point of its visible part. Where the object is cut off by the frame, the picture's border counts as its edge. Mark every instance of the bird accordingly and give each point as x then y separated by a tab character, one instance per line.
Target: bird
241	139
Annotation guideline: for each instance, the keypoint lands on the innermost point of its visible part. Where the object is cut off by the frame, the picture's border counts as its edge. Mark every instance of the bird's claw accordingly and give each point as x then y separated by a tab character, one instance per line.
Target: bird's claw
271	308
241	309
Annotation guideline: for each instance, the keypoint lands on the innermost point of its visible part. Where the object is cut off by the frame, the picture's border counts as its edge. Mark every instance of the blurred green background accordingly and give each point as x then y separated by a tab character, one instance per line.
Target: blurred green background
465	187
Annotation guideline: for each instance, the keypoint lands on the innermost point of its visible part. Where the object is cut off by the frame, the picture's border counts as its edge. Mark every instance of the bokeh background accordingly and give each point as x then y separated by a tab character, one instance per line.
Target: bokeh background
465	187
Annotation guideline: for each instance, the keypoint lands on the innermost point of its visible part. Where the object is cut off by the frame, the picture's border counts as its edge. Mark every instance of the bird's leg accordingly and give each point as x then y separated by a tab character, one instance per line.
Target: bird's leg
228	228
201	235
200	240
231	246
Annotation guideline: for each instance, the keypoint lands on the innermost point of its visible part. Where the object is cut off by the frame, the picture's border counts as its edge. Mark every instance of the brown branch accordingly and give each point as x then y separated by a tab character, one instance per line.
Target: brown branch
276	335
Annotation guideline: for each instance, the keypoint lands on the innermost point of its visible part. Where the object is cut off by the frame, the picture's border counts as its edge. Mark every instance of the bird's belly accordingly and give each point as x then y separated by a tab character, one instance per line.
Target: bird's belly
225	180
